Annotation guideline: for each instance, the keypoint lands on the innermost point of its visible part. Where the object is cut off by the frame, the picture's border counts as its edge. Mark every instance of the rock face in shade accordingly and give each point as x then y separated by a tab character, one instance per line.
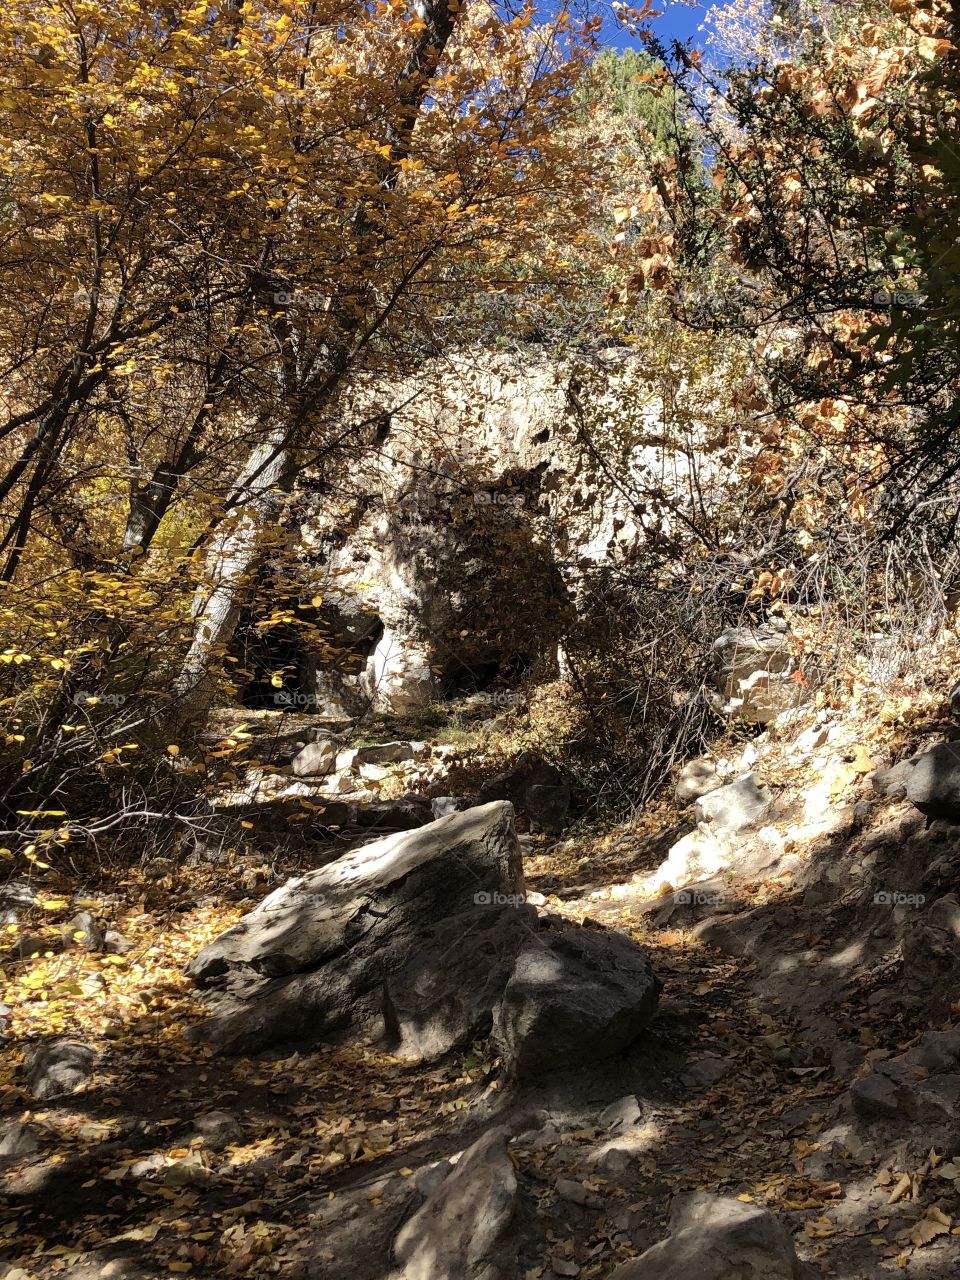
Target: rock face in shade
933	783
714	1238
423	940
463	1229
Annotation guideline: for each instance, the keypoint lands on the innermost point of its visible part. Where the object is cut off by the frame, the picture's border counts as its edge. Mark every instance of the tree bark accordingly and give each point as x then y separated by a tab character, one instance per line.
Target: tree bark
232	559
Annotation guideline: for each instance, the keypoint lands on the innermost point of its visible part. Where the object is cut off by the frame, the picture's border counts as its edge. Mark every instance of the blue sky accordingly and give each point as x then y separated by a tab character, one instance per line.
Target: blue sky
678	22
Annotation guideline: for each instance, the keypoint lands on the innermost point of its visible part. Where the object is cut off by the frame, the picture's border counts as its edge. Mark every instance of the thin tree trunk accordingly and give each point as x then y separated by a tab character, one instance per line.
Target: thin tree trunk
231	563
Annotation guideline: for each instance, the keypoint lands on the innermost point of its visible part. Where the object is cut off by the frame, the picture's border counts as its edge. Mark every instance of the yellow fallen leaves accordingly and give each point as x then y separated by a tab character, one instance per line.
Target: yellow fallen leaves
820	1228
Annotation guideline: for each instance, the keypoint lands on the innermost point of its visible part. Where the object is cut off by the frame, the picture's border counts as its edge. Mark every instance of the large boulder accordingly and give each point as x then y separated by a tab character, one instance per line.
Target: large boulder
757	675
423	940
574	996
312	958
715	1238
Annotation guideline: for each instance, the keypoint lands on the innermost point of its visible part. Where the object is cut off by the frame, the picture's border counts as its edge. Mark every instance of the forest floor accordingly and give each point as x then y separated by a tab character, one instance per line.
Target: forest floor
122	1186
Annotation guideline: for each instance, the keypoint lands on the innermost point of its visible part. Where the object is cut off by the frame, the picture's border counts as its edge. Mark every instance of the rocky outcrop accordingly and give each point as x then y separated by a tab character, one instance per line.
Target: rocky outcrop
757	674
474	524
713	1238
423	940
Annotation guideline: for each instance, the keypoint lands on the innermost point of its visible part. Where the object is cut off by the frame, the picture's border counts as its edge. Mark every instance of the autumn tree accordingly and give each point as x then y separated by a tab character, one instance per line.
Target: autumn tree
834	161
217	222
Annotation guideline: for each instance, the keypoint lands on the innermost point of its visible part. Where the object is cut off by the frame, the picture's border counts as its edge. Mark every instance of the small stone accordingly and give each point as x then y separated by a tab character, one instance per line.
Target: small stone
564	1267
622	1113
18	1140
705	1072
115	944
373	772
83	931
876	1097
386	753
316	759
575	1192
218	1129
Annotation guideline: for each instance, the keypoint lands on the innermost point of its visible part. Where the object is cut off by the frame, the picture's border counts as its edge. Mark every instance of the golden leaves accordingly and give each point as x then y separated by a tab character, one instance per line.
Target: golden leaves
933	49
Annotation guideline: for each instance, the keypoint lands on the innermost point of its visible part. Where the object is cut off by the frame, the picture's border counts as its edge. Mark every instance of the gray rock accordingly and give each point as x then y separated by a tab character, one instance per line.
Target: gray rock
403	814
697	779
576	1193
58	1067
735	806
317	759
583	996
83	931
386	753
705	1072
893	782
754	669
115	944
314	957
622	1114
15	897
29	945
877	1097
939	1050
934	784
720	935
464	1227
937	1100
219	1129
714	1238
17	1140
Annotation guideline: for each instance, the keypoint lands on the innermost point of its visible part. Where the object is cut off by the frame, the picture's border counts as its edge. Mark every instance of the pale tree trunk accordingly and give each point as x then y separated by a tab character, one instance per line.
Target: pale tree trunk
232	559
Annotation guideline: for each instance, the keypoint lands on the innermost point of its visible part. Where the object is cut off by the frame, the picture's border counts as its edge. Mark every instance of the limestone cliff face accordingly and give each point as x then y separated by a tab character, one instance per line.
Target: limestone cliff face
453	553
